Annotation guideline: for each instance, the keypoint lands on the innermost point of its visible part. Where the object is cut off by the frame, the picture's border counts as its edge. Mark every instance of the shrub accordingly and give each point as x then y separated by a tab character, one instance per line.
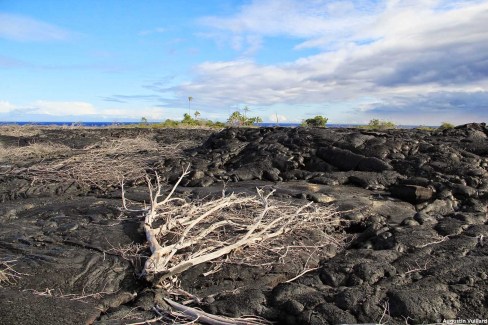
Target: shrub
170	123
317	121
216	125
143	123
446	125
425	128
376	124
237	119
188	120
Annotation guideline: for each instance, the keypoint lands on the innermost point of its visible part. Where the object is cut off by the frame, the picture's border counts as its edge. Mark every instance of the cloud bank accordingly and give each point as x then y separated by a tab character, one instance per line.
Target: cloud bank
387	58
73	111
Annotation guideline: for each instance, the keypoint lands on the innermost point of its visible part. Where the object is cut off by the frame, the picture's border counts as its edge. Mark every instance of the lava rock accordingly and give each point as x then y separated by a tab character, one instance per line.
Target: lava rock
423	306
412	193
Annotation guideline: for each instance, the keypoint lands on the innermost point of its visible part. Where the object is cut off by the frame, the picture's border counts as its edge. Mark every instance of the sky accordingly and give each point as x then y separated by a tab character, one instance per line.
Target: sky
417	62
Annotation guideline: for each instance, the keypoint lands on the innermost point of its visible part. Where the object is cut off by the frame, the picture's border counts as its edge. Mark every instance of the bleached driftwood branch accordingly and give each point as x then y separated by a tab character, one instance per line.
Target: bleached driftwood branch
183	234
206	318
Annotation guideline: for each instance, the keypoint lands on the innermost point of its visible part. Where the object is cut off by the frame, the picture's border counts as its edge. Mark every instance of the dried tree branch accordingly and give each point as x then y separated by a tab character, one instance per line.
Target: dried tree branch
7	273
206	318
183	234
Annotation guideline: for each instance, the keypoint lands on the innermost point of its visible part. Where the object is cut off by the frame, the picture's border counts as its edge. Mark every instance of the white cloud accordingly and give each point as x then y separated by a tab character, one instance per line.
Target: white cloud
47	110
280	118
150	113
63	108
82	108
6	107
294	18
23	28
434	107
372	54
317	23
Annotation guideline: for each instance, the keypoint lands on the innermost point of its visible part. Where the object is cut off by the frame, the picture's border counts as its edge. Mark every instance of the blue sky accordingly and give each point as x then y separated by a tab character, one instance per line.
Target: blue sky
411	62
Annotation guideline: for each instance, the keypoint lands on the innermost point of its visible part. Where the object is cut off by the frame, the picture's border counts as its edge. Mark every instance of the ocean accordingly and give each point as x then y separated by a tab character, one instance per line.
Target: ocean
105	124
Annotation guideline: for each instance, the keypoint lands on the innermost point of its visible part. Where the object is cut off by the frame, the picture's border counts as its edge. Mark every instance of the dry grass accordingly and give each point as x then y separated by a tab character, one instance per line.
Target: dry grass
33	130
20	130
36	151
99	166
134	253
7	273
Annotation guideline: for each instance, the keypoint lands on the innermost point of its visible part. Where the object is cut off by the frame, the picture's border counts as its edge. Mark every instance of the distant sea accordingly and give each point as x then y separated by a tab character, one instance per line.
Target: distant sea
91	124
104	124
292	125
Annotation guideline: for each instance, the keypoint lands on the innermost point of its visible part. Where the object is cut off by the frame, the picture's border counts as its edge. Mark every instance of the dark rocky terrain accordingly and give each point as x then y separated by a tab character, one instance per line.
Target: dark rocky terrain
414	207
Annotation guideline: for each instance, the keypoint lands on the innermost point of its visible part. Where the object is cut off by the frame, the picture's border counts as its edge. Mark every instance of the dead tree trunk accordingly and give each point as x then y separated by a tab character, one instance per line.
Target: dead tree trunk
183	234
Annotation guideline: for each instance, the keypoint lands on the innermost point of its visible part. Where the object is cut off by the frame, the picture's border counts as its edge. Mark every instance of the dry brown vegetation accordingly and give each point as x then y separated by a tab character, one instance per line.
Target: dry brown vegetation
37	151
102	165
20	130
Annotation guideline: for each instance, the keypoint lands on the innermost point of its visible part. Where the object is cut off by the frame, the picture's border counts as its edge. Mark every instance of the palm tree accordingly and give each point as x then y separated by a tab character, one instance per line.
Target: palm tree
197	114
189	101
246	109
